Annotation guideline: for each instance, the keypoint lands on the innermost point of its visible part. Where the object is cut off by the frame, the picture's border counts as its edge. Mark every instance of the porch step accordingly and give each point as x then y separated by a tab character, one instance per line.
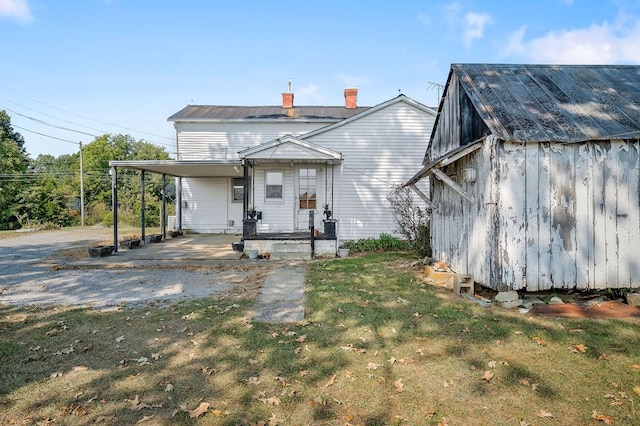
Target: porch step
291	250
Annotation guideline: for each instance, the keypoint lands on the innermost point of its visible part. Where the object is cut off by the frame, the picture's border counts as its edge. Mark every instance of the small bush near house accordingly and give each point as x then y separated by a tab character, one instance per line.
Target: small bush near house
412	221
384	243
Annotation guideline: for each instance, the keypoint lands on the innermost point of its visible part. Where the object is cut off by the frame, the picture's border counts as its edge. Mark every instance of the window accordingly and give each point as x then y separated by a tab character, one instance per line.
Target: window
307	189
273	185
238	190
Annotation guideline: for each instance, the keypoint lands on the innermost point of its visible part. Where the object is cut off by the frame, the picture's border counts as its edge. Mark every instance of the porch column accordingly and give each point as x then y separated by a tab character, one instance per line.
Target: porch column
245	183
339	224
179	202
142	206
114	205
163	219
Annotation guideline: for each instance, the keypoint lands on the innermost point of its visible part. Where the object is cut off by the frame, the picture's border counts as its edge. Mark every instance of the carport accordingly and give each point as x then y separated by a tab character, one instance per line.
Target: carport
177	169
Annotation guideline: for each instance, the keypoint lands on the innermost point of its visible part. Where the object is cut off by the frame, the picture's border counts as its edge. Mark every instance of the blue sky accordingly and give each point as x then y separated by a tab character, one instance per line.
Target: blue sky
74	69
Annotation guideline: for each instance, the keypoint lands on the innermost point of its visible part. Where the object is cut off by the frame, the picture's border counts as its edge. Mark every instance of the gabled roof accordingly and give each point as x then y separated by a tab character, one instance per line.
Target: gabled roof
208	113
371	110
559	103
286	148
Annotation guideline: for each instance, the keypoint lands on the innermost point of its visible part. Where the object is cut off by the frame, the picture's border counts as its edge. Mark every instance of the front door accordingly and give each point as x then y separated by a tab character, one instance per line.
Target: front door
307	197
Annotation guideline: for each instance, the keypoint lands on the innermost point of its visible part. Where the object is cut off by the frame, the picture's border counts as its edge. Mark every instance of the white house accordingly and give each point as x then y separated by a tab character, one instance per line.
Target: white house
285	161
536	176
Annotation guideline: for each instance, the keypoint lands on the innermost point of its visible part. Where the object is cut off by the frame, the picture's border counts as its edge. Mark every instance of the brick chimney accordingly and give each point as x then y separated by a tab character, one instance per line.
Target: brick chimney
350	98
287	98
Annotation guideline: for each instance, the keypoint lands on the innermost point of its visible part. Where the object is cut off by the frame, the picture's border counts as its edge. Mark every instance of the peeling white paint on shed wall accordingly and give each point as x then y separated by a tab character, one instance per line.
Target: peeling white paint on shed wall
552	216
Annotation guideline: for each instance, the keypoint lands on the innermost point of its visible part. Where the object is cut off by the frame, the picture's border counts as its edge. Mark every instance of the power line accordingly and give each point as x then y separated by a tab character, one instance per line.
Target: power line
45	135
51	125
89	118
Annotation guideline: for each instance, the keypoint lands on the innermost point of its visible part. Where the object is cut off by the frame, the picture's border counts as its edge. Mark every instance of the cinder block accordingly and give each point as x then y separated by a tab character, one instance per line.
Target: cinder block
463	284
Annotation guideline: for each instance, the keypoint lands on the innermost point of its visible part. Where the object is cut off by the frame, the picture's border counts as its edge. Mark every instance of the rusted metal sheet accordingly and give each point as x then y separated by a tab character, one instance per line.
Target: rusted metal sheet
557	103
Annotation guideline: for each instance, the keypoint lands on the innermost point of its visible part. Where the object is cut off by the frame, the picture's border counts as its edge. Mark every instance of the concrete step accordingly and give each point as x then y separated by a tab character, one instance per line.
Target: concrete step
291	251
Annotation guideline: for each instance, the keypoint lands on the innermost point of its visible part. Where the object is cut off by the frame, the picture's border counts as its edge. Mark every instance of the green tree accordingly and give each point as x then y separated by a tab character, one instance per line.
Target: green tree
96	157
13	163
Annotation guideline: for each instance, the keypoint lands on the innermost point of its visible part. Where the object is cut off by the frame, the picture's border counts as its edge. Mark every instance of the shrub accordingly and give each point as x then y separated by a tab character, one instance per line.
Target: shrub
412	222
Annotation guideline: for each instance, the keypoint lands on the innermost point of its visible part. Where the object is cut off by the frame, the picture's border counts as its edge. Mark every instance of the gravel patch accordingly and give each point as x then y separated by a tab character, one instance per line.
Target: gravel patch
29	275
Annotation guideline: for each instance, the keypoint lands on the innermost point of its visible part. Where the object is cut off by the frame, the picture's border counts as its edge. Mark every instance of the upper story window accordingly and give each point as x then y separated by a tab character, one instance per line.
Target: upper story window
274	183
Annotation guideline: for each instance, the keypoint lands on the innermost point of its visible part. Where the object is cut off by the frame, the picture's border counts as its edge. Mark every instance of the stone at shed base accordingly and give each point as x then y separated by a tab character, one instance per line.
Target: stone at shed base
555	300
512	304
633	299
507	296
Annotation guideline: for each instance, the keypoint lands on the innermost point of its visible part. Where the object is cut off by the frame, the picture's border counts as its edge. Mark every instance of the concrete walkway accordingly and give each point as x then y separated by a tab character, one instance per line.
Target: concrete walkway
281	298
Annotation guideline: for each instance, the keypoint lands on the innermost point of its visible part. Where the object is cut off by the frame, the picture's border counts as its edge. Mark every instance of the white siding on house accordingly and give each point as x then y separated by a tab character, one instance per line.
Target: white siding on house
222	141
380	150
278	216
209	207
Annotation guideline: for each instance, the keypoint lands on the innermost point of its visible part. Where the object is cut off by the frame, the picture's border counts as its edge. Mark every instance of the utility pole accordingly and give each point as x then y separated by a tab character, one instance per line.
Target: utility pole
81	189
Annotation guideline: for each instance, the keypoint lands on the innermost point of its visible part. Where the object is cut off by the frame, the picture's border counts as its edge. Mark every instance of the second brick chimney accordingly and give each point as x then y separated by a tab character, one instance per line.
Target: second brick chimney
350	98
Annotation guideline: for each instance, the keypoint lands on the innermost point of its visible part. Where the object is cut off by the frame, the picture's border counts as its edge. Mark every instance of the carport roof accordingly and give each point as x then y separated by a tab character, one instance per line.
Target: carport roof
184	168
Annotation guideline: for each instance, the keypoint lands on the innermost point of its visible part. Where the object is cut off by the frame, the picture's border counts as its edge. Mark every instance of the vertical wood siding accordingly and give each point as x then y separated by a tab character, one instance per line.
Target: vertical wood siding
552	215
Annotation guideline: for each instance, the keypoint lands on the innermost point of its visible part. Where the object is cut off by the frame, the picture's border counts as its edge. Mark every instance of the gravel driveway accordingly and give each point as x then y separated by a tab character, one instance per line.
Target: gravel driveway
30	274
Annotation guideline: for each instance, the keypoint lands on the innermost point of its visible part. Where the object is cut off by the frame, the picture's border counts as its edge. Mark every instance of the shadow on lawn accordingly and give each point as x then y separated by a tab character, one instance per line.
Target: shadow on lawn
123	365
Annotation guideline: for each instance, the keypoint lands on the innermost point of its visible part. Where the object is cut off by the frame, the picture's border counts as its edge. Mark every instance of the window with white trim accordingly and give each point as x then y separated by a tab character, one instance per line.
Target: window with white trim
274	185
238	190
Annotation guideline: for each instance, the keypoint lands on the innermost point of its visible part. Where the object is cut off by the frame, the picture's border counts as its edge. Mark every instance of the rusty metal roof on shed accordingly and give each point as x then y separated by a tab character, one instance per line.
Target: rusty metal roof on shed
258	113
559	103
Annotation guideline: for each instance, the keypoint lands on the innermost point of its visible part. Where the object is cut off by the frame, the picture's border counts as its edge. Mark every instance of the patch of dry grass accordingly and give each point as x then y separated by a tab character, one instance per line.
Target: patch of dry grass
379	346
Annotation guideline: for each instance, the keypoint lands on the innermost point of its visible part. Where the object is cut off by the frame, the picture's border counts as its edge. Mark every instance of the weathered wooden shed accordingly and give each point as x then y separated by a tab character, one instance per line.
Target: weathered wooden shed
536	176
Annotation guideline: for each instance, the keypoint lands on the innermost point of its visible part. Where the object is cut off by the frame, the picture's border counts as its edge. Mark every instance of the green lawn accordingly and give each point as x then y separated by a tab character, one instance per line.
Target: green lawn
379	346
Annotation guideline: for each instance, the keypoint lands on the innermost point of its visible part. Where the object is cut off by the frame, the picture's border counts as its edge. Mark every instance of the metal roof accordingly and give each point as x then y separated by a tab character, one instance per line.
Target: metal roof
559	103
270	113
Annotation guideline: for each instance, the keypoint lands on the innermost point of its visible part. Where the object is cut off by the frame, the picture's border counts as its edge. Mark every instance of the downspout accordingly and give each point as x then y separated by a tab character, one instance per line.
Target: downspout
114	205
142	209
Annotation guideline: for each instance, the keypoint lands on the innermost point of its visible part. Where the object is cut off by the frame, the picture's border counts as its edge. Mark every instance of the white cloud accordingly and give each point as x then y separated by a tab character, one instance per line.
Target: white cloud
309	94
597	44
18	9
474	25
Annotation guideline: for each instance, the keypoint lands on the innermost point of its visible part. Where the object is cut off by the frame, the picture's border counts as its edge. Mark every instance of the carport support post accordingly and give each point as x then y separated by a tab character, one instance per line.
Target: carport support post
114	200
142	206
163	221
179	203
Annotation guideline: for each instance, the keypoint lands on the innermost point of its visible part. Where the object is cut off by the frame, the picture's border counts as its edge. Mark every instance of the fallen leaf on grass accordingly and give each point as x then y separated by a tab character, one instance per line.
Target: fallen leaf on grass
578	348
202	409
602	418
169	388
274	400
539	341
145	418
635	366
332	381
487	376
637	390
372	366
302	338
543	413
492	364
399	385
119	339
